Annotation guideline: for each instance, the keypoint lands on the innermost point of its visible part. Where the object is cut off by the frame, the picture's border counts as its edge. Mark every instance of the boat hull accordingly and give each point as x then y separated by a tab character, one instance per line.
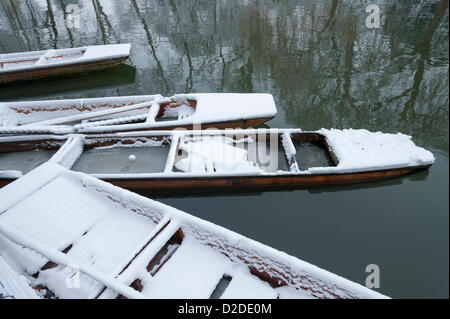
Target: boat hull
59	71
255	183
258	183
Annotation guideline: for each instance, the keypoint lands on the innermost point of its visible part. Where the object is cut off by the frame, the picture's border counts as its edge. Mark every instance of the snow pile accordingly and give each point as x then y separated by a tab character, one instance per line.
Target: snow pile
361	150
138	142
212	107
179	112
289	151
288	146
214	154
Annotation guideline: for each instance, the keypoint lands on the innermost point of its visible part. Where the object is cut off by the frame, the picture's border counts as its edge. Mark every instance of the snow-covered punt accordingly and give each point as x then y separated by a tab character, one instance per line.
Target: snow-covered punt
222	159
136	113
49	63
69	235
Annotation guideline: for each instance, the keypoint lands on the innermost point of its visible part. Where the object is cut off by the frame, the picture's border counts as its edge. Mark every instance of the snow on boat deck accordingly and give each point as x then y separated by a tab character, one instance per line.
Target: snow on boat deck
361	150
13	285
23	113
88	224
231	106
114	236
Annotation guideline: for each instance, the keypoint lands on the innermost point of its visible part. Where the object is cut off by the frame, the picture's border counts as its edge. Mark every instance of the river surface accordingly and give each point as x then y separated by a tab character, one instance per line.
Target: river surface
325	68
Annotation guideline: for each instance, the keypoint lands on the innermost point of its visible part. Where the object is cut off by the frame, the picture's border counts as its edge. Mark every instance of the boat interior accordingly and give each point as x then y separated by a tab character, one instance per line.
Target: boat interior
25	156
178	153
90	112
27	59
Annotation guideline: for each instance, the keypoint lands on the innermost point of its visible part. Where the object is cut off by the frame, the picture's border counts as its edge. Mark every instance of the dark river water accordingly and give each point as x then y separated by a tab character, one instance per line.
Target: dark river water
325	68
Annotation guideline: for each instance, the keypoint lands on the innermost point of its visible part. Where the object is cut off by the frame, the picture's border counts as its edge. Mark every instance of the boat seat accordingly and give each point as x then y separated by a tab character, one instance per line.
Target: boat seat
193	271
246	286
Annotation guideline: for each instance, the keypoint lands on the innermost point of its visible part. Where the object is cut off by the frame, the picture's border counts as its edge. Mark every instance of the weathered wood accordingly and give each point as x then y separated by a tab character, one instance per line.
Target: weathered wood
262	182
52	144
255	183
57	71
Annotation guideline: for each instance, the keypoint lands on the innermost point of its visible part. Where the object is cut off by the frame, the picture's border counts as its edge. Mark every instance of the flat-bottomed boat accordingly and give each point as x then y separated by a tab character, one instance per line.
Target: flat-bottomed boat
136	113
25	66
221	160
66	234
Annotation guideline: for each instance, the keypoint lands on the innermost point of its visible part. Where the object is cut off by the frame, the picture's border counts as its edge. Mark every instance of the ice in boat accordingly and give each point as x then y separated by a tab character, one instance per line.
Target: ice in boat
66	234
58	62
221	160
136	113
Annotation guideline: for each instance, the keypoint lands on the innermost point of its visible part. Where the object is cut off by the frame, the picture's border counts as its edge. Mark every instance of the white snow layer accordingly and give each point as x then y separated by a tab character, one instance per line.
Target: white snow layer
361	150
13	285
27	112
230	106
214	154
245	286
112	234
45	60
69	153
10	174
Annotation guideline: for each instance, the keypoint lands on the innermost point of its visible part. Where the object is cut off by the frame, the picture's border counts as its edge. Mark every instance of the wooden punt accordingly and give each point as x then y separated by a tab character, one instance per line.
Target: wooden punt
25	66
136	113
229	160
65	234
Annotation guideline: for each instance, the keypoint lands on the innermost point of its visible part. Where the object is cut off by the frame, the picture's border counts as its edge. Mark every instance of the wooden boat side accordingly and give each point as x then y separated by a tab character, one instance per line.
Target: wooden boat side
6	181
36	55
255	183
250	183
57	71
41	144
